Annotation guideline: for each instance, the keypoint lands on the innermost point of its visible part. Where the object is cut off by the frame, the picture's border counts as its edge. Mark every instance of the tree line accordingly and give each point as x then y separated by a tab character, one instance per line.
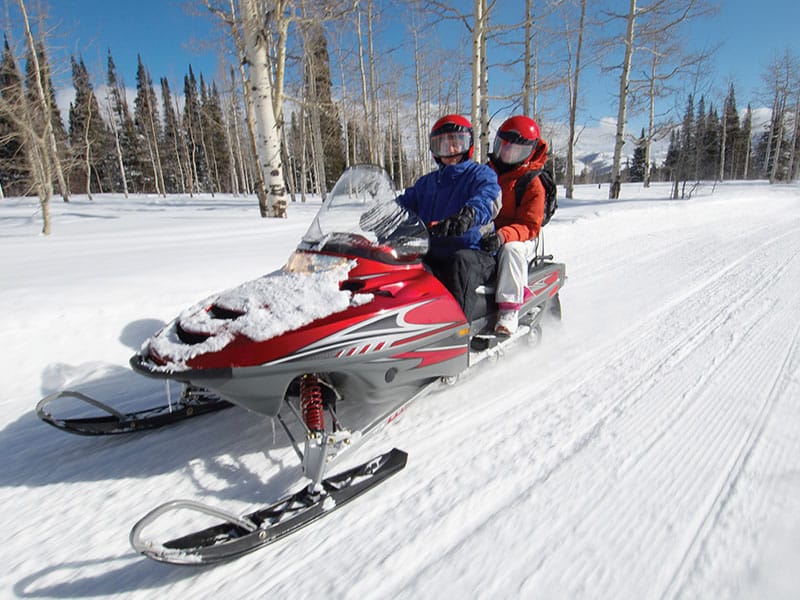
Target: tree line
314	87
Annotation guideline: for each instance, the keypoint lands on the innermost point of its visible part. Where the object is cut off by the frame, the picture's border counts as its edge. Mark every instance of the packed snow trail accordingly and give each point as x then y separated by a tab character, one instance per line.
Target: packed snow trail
648	449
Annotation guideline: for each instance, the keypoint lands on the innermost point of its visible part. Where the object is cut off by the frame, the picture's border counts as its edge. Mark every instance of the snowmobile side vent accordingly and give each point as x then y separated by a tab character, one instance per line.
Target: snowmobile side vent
220	312
351	285
189	337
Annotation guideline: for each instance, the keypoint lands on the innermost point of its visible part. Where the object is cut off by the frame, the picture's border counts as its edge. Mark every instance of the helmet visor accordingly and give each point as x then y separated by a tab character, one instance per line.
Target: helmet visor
451	143
511	148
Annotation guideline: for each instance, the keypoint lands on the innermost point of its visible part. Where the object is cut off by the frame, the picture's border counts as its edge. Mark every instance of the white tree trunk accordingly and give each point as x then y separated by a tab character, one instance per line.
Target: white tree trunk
87	156
651	119
422	140
624	78
115	131
477	61
267	129
51	151
573	105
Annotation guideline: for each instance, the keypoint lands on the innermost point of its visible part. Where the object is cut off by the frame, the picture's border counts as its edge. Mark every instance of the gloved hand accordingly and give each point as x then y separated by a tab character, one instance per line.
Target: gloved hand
491	242
455	225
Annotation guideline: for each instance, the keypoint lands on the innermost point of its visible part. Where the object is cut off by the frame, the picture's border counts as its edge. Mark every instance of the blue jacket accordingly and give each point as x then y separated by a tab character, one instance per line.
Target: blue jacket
446	191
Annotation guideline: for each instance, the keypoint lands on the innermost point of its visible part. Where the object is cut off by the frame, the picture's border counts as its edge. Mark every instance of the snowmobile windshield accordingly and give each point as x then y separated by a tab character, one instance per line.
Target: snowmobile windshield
360	217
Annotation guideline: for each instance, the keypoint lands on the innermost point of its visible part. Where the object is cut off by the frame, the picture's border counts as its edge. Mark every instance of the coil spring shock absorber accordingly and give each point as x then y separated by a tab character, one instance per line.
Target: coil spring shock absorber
311	405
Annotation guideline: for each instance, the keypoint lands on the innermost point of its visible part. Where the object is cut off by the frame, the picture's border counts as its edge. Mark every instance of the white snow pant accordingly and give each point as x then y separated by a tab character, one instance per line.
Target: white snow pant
512	273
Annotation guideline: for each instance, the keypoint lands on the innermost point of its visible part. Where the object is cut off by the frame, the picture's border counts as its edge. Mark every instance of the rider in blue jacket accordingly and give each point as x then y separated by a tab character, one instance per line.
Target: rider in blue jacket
455	201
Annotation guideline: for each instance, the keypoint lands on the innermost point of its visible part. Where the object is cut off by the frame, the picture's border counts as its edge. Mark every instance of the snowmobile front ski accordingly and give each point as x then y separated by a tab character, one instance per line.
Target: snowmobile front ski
237	536
193	402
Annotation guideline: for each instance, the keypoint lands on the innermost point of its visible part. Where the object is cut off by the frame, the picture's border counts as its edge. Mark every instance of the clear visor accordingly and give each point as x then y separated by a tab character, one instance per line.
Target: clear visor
452	143
511	153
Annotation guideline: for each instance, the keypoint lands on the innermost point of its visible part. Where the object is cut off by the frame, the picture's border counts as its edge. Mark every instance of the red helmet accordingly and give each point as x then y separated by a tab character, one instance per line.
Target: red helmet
452	136
516	140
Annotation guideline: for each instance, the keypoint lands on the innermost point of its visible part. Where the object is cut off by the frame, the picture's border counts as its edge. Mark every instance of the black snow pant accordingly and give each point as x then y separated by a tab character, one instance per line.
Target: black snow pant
461	273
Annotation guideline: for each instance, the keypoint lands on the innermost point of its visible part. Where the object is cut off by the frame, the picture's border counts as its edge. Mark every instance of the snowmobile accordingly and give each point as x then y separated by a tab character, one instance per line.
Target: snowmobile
334	345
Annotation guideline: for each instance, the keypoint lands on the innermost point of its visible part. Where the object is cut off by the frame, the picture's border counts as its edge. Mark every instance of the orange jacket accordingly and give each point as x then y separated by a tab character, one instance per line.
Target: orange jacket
521	223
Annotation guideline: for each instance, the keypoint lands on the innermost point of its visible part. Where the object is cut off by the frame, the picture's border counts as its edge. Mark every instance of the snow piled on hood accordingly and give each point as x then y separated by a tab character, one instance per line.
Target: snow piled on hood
270	305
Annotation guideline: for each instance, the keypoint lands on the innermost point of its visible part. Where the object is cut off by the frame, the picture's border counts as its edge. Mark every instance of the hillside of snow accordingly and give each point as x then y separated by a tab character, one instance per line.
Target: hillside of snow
649	448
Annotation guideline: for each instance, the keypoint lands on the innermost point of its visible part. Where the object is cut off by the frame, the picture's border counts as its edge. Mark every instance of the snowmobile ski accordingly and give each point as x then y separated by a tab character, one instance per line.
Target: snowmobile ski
193	402
237	536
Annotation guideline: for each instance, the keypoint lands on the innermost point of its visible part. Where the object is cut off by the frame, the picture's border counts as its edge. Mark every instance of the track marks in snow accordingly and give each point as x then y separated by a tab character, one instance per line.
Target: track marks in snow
605	437
711	517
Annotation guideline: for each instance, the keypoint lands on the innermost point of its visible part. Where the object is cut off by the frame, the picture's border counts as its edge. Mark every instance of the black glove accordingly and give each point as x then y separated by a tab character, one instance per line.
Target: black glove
491	242
455	225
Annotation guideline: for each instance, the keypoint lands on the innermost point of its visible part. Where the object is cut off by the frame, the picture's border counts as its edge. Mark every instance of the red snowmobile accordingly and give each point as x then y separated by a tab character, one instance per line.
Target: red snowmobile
333	345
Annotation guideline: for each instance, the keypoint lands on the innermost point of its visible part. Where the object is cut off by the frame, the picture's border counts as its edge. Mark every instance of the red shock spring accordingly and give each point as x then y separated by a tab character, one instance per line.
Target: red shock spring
311	403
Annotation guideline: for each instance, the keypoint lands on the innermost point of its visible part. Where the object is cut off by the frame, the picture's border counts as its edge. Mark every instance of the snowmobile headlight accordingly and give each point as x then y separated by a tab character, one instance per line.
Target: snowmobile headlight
311	262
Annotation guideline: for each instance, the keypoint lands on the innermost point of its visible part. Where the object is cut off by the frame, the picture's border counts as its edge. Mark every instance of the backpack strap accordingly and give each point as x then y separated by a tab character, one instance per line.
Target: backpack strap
521	185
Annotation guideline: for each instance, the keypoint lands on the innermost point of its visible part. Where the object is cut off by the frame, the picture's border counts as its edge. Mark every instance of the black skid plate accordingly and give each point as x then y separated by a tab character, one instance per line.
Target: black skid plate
198	403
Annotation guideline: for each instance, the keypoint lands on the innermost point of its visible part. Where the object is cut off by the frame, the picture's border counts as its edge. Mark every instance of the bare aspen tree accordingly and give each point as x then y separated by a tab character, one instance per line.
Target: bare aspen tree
781	80
268	130
229	17
527	83
483	120
242	180
117	148
478	89
723	140
345	113
373	83
51	155
368	118
622	111
794	163
669	58
34	146
152	137
421	138
647	27
651	116
477	24
573	81
87	154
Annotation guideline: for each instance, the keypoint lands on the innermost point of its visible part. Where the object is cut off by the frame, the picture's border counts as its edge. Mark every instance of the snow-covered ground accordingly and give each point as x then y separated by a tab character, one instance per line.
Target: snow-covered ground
650	448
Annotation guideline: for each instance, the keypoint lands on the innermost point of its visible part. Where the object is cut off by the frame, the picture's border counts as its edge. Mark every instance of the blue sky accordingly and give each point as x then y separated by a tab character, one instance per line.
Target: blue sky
168	38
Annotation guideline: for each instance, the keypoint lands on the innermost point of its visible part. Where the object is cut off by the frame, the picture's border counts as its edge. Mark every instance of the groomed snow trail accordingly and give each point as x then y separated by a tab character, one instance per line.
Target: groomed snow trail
650	448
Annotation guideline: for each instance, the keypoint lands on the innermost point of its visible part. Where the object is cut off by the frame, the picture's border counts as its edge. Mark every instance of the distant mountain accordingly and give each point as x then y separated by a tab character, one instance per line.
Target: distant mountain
598	163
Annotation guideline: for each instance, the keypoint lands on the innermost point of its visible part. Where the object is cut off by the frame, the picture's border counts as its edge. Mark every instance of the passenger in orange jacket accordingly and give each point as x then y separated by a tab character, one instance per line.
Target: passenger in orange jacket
518	149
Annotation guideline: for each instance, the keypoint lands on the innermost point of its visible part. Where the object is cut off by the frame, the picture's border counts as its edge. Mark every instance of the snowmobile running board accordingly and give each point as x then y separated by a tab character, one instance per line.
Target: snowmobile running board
193	402
237	536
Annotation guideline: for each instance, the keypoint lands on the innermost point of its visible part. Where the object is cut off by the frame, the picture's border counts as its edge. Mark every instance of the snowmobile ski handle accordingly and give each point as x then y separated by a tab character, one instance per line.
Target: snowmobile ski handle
141	545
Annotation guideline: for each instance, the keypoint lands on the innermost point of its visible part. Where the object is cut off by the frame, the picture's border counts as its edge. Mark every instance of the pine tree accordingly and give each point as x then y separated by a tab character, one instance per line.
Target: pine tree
672	158
709	146
12	153
198	170
637	168
172	158
89	137
148	128
731	164
324	112
55	114
130	171
213	135
745	142
685	149
58	147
